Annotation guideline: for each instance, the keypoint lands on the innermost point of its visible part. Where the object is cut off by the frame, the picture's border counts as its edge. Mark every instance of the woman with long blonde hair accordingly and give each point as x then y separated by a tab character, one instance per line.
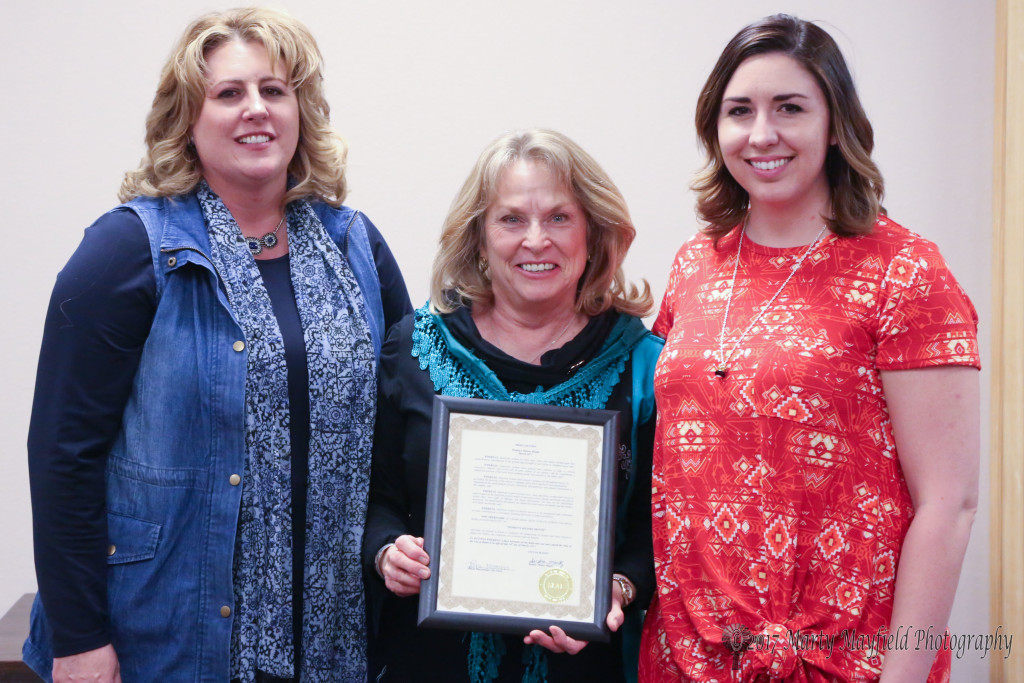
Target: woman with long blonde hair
200	441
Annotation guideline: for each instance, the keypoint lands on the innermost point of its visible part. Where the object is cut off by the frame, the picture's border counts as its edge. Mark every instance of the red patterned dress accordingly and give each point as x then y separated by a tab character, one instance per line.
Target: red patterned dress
778	499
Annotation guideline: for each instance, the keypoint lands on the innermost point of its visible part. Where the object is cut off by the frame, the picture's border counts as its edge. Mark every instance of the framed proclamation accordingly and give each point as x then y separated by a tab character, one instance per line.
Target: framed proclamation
520	515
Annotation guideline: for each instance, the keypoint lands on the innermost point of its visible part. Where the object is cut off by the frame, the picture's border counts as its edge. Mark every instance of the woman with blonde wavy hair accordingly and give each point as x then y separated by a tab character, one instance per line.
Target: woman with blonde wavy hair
529	304
201	432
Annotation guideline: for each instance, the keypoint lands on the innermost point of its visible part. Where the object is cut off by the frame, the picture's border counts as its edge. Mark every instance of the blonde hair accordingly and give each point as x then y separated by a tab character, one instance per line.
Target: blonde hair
171	167
457	278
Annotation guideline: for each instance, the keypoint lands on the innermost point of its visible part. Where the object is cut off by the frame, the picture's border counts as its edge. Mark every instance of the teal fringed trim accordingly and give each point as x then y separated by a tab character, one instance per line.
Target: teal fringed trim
485	653
430	345
535	661
456	371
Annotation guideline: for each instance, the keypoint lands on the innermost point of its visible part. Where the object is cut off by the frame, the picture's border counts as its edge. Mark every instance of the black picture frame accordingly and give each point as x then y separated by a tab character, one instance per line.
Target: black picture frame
440	605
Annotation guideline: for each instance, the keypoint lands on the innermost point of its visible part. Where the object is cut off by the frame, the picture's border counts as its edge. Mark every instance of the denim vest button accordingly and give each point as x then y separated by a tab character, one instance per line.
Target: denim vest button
238	346
225	611
172	261
235	480
112	549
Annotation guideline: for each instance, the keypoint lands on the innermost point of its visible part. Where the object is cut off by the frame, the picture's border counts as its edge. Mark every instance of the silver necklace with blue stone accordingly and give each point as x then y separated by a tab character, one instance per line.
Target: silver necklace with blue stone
268	241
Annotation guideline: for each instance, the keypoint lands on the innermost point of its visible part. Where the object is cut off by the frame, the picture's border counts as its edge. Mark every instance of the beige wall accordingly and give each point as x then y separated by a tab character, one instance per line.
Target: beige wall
418	88
1007	366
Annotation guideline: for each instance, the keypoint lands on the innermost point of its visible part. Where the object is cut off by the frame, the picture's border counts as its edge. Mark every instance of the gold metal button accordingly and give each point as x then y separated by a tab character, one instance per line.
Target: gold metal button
172	261
238	346
235	480
112	549
225	611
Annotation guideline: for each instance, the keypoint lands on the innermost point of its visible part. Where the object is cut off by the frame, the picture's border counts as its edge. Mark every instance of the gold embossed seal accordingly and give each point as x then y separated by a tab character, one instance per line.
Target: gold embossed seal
555	585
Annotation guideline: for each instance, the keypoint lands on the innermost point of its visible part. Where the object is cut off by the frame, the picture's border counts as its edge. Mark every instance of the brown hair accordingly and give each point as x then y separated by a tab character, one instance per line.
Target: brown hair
855	183
457	278
171	167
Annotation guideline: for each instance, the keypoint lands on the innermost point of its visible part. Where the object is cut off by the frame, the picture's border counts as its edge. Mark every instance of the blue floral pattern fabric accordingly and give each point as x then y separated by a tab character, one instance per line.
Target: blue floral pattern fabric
342	391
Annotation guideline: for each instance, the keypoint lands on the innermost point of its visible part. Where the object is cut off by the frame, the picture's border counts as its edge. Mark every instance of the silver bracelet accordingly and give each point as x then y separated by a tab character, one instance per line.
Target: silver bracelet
626	586
380	556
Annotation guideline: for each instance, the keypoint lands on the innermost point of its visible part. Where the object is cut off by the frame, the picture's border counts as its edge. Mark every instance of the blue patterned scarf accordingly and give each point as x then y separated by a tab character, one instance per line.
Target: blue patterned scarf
456	371
342	392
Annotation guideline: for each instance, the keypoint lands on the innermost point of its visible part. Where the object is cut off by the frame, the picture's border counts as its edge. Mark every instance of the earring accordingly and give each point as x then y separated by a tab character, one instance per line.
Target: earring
482	264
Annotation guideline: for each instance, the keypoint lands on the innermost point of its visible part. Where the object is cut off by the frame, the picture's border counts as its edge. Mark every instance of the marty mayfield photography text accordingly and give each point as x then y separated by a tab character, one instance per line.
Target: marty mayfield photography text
996	643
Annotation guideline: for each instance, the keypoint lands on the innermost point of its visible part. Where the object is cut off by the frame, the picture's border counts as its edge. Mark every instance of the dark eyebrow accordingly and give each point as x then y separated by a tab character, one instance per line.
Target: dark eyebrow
777	98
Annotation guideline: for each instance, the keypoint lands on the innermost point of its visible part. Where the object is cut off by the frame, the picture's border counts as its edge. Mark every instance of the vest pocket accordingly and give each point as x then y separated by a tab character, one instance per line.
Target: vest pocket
130	539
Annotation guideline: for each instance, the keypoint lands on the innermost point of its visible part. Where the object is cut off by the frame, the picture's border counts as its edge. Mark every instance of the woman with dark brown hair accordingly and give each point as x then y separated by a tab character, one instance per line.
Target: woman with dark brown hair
816	455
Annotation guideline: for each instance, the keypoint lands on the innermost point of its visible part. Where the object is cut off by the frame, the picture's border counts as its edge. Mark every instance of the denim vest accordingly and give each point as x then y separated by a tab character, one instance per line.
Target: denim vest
173	474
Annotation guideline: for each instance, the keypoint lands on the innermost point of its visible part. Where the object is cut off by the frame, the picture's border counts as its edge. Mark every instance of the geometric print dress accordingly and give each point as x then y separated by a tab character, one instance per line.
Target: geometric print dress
779	506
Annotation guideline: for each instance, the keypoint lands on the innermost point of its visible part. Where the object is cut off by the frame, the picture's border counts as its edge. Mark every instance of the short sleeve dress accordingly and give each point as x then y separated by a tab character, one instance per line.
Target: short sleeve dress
779	504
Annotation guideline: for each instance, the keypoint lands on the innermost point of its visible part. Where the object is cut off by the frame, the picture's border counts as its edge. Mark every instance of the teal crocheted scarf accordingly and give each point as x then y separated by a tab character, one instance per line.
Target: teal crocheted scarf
456	371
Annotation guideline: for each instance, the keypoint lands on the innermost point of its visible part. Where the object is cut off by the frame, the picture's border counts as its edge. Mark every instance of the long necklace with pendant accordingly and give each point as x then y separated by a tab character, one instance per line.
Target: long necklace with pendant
552	342
723	360
268	241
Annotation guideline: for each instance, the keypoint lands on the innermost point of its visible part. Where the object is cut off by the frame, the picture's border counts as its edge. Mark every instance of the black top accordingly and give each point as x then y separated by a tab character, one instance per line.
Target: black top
98	320
277	278
398	503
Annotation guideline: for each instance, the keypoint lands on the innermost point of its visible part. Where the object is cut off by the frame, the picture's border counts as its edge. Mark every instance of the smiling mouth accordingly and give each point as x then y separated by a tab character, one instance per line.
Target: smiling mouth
536	267
768	165
254	139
